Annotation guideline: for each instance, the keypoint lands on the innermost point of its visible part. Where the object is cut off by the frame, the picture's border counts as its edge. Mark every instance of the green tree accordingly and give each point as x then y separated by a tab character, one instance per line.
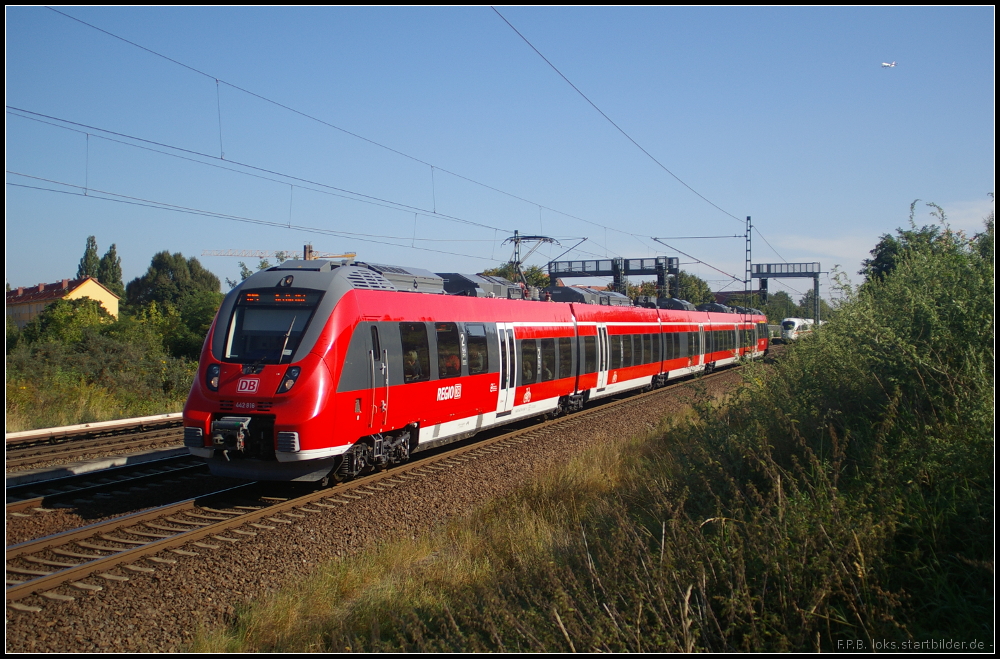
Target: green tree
186	297
65	321
806	307
891	249
693	288
169	279
109	272
535	275
263	264
13	334
780	306
642	288
90	264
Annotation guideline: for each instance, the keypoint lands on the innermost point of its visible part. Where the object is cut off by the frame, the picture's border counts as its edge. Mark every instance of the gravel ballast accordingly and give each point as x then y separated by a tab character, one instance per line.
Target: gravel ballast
161	611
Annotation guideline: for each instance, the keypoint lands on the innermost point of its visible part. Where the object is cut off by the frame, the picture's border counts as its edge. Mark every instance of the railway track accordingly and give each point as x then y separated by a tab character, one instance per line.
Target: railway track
73	442
42	494
71	564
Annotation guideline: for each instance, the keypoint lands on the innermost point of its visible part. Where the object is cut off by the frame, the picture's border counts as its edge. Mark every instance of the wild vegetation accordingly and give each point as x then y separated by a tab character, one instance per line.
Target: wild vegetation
844	494
74	363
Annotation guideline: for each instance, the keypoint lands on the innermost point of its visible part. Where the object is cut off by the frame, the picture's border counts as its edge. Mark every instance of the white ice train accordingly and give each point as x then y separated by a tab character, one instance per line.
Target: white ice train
795	328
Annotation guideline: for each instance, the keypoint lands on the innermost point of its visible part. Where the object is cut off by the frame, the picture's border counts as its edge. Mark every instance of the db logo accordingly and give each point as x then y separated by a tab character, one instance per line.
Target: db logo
248	386
527	395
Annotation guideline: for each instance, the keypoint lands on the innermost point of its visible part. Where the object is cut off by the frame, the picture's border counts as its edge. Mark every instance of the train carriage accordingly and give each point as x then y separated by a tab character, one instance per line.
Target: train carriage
314	370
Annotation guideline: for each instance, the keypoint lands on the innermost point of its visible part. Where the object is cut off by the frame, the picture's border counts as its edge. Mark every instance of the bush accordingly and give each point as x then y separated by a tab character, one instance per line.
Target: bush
72	372
845	494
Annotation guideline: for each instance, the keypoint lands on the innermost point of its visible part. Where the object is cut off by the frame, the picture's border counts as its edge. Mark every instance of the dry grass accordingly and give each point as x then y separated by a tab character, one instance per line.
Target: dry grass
845	494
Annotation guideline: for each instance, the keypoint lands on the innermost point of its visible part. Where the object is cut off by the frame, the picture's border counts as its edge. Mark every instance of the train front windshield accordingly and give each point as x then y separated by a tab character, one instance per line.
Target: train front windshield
267	325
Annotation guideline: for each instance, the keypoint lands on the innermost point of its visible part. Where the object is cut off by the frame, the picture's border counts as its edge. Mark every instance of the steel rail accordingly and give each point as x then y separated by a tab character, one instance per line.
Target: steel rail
61	488
41	584
58	577
91	428
73	449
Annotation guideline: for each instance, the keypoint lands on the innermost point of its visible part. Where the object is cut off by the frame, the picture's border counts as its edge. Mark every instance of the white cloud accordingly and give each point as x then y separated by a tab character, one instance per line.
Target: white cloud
846	251
967	215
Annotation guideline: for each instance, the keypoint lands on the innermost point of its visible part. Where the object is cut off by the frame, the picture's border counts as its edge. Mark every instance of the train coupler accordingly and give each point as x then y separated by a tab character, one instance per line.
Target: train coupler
230	432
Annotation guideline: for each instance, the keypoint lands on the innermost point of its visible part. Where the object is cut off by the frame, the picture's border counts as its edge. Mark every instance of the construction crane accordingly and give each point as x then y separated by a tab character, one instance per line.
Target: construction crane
308	254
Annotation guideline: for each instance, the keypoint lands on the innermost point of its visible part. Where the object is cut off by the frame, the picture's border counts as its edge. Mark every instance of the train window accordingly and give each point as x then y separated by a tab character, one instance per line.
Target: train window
376	346
647	348
529	361
548	371
565	357
503	364
616	352
479	357
590	354
656	347
626	350
449	361
416	353
266	326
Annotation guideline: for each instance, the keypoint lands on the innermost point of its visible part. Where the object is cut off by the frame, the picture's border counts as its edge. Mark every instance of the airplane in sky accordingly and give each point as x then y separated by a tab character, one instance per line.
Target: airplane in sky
887	65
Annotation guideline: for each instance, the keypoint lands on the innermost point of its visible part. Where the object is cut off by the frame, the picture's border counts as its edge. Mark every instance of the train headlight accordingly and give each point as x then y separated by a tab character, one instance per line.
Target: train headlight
212	374
288	380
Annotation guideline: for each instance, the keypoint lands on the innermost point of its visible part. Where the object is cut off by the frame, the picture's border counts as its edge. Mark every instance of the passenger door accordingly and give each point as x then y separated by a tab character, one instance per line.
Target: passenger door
508	367
378	372
603	356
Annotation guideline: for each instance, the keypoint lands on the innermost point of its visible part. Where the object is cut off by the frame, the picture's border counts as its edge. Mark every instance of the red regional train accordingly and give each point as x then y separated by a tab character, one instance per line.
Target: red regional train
317	371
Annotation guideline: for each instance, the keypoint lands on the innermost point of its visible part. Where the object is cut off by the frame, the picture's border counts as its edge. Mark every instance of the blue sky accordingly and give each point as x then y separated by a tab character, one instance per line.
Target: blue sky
782	114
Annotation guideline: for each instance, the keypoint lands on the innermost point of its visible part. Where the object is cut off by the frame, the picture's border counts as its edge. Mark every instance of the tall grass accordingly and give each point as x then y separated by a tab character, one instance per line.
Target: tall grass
844	495
98	378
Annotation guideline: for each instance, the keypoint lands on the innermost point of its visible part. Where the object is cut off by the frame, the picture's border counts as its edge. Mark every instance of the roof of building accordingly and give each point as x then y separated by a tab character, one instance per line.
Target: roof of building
46	292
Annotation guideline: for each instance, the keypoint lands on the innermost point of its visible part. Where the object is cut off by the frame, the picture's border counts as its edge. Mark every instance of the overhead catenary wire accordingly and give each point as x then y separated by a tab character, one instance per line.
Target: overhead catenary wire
367	199
357	196
220	81
769	245
323	122
611	121
697	259
311	117
150	203
285	224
